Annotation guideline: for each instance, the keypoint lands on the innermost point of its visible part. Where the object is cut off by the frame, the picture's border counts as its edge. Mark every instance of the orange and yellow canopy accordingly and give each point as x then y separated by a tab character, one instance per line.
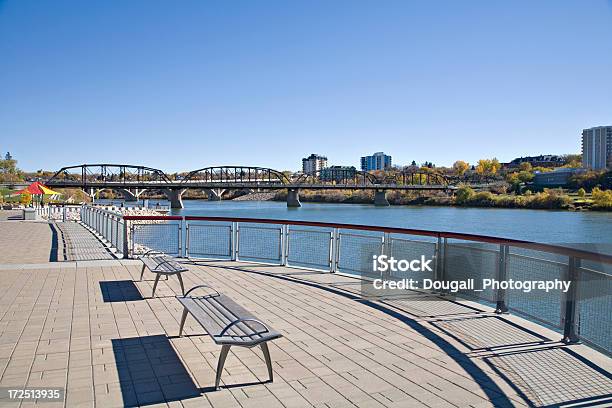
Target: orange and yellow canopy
37	188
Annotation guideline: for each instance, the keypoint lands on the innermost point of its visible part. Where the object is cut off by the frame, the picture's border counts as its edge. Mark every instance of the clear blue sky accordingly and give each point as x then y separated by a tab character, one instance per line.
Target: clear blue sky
186	84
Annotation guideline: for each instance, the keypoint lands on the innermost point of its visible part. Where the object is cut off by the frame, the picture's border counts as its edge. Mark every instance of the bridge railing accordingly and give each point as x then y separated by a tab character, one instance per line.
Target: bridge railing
581	314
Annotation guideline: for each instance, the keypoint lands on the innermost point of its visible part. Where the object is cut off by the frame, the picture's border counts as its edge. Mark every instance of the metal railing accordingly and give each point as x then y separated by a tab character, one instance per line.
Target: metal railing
109	225
581	314
59	212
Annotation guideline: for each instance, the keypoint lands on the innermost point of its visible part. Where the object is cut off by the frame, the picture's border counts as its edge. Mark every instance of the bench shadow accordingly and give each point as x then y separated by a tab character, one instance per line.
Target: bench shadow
150	372
120	291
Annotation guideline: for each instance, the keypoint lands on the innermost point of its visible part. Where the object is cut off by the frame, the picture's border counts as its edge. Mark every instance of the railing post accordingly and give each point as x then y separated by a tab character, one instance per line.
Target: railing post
284	244
386	250
182	248
186	239
63	214
235	241
570	334
335	250
438	259
502	270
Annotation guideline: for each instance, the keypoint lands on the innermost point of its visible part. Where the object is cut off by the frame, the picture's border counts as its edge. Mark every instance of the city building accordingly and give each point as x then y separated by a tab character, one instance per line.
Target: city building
543	160
556	178
377	161
597	147
313	163
338	173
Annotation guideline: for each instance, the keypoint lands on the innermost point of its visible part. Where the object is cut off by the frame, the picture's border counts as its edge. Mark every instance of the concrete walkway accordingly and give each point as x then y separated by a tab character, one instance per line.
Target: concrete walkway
90	327
25	242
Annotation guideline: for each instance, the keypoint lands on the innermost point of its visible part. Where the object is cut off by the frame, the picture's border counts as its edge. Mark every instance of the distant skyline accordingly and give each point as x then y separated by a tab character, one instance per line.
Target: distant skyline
184	85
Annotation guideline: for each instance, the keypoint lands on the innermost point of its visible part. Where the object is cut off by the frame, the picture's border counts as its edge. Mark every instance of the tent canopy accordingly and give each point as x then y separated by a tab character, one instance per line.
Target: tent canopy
37	188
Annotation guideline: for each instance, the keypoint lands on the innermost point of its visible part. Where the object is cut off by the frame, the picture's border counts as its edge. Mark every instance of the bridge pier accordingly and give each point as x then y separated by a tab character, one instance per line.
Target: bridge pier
127	194
214	194
380	198
293	198
175	196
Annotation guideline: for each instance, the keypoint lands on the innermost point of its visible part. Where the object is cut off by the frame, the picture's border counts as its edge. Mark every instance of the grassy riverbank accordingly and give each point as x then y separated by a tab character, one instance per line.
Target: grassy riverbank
552	199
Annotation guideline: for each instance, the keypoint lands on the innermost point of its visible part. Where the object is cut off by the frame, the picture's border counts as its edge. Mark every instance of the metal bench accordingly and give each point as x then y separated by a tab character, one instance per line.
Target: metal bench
229	324
161	264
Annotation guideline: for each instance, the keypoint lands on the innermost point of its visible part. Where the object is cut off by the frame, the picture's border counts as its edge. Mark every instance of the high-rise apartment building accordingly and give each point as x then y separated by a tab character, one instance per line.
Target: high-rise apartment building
313	163
377	161
597	147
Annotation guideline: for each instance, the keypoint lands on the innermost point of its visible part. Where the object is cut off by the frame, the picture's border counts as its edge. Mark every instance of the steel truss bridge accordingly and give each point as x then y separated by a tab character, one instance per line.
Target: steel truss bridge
132	180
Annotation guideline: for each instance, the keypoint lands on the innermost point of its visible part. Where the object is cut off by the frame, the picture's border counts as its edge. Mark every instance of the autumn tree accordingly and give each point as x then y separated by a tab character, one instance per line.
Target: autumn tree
460	167
488	166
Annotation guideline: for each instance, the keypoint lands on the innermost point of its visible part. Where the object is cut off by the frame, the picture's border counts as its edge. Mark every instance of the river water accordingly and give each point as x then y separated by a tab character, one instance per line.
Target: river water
532	225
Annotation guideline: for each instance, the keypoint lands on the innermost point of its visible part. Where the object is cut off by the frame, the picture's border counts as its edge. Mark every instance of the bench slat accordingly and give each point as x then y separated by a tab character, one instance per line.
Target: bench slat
159	264
215	312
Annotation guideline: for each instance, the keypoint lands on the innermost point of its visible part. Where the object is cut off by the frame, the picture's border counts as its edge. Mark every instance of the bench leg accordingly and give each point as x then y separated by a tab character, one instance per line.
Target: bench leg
142	271
266	353
224	350
178	275
155	284
183	318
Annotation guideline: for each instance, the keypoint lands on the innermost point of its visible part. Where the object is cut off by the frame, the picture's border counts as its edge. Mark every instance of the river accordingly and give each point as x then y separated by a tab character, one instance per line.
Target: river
532	225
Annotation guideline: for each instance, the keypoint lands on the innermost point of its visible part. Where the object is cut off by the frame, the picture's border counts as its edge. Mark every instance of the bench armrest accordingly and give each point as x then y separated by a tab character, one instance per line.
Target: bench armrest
167	261
242	321
201	286
153	252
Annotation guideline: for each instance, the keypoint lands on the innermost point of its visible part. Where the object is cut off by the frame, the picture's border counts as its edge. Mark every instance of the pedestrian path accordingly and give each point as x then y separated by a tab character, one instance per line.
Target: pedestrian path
79	244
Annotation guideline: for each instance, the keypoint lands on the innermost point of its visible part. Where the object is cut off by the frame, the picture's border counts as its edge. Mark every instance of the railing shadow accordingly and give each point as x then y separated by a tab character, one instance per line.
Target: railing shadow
53	253
487	333
559	378
553	377
488	386
150	372
120	291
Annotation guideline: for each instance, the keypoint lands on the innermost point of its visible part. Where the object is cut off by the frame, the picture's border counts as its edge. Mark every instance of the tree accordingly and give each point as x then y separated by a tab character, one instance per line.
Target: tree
9	170
460	167
463	195
525	166
487	166
572	160
581	193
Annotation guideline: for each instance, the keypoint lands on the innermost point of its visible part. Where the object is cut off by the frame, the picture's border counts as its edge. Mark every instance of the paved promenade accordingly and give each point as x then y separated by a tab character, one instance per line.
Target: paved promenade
90	326
25	241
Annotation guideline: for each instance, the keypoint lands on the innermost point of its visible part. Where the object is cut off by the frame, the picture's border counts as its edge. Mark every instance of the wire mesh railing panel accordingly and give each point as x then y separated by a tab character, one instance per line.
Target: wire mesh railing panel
163	237
310	248
209	240
595	308
401	248
356	253
537	304
259	243
471	261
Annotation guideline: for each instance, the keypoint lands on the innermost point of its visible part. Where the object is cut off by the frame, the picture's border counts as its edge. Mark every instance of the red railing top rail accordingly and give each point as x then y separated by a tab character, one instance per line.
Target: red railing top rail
557	249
